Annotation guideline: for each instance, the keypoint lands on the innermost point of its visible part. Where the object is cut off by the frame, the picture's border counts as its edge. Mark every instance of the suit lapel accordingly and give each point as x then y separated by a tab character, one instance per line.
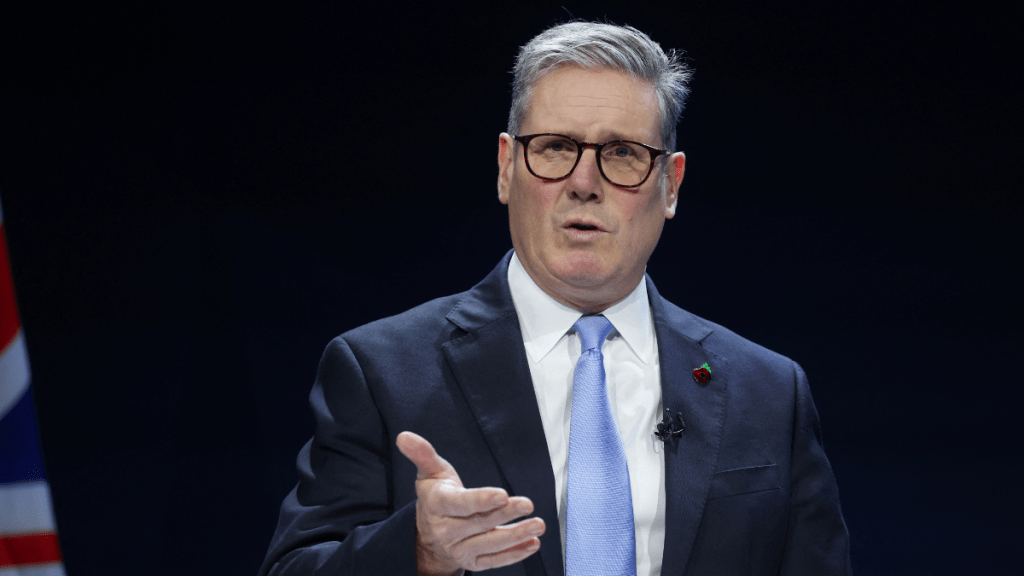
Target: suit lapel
690	458
490	365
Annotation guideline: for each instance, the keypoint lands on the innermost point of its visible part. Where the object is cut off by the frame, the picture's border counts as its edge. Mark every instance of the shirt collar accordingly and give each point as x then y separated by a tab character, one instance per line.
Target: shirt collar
545	320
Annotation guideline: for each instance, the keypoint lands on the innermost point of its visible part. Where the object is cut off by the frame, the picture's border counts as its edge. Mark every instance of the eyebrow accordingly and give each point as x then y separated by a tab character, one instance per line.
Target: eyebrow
618	136
608	137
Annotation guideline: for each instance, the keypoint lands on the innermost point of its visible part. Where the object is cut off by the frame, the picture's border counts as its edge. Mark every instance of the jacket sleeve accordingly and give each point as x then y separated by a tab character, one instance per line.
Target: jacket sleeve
817	541
341	518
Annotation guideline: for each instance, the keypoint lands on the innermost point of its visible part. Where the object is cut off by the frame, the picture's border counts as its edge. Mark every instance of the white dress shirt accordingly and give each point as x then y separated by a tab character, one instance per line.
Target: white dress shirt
634	390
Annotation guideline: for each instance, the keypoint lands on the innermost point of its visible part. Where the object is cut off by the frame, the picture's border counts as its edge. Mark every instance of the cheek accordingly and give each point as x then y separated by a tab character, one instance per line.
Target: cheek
534	203
640	207
530	210
644	216
630	211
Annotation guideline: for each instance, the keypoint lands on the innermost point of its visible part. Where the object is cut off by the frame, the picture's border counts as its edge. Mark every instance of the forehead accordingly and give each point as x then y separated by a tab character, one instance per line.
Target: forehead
595	105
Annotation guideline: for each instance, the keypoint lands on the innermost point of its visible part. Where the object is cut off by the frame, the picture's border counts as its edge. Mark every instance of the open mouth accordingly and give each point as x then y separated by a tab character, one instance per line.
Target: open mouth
579	226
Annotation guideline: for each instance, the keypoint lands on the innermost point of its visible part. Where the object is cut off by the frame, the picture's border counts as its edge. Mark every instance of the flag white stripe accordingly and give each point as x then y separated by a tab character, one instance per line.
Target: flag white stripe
27	508
54	569
14	373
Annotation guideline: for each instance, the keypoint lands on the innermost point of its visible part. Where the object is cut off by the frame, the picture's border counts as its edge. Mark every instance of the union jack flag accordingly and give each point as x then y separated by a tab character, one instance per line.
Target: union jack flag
28	532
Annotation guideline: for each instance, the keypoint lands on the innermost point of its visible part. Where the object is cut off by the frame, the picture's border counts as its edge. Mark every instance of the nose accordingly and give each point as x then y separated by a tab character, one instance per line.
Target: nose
585	182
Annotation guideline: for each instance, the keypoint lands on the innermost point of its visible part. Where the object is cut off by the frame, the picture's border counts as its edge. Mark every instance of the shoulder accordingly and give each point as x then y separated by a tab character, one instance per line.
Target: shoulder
758	386
408	330
441	320
742	355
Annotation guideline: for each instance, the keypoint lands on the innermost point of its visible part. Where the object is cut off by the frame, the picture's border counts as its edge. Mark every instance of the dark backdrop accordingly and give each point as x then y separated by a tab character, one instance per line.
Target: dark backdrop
198	198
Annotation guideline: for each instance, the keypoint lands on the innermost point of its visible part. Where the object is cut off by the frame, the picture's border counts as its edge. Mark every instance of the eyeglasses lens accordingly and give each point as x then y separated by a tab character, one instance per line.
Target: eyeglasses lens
623	163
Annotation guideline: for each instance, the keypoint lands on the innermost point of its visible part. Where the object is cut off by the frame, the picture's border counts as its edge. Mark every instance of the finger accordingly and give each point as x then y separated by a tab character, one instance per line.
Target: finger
461	524
465	533
447	499
428	463
503	545
512	555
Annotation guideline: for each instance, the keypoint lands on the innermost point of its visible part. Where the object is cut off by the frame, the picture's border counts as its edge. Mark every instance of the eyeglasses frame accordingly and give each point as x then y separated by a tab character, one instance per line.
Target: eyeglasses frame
580	147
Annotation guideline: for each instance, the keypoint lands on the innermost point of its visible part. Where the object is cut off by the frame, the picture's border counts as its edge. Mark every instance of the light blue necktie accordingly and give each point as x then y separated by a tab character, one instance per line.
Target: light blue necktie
599	508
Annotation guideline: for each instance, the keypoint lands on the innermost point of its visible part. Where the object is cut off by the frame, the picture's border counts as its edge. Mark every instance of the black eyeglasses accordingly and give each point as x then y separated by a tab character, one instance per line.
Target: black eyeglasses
553	157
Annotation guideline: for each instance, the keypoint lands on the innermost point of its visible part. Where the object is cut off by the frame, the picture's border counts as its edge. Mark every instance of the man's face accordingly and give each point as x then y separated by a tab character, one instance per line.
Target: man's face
584	240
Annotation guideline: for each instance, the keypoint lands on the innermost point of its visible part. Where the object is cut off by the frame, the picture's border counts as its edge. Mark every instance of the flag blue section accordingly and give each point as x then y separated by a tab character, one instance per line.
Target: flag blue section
21	458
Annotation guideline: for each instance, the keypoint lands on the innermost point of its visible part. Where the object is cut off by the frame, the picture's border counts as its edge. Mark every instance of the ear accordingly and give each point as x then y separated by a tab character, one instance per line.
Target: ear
506	165
675	166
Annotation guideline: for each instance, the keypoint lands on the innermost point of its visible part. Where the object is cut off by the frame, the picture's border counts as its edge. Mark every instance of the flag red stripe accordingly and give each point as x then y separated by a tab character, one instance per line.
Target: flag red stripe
8	309
30	549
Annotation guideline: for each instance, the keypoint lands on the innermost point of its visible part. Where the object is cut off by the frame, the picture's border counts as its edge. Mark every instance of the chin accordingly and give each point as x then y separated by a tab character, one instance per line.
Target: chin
583	270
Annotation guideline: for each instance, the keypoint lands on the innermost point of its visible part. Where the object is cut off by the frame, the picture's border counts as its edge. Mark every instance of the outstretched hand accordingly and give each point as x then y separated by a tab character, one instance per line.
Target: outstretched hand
460	528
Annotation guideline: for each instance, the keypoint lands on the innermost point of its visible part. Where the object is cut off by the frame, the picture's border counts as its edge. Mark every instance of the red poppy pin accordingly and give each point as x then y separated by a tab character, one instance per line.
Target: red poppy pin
703	374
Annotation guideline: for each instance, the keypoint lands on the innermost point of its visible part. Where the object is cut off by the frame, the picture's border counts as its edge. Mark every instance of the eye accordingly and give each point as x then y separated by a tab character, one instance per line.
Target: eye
620	151
558	145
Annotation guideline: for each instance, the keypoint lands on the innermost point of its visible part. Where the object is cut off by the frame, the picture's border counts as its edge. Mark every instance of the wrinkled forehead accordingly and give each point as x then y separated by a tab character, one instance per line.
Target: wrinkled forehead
603	99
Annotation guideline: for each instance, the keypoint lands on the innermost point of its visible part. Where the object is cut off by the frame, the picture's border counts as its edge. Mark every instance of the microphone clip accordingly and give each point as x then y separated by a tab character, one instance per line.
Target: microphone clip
670	427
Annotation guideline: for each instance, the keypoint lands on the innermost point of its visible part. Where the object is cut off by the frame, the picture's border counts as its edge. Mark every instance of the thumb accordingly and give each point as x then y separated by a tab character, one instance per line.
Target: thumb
422	454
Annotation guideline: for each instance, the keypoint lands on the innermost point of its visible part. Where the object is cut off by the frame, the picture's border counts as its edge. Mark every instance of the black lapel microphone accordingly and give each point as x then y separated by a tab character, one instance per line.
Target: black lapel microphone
670	427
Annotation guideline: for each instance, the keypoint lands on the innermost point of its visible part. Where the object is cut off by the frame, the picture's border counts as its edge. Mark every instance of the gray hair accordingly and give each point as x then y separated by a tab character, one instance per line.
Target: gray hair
597	45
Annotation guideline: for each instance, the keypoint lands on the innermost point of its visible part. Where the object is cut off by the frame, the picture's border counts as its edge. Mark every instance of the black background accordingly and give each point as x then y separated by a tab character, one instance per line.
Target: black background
197	198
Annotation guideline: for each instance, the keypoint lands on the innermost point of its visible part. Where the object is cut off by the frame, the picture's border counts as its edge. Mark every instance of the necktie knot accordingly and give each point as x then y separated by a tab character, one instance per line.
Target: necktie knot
592	331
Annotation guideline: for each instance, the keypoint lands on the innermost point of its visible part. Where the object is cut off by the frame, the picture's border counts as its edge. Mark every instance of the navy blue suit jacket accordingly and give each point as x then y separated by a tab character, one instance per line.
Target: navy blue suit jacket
748	488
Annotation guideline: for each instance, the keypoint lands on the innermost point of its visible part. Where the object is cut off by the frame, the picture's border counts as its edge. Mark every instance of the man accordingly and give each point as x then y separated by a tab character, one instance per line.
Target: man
544	385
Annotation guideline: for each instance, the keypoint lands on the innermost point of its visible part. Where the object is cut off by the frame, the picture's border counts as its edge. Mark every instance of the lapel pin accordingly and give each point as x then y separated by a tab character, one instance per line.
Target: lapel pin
703	374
